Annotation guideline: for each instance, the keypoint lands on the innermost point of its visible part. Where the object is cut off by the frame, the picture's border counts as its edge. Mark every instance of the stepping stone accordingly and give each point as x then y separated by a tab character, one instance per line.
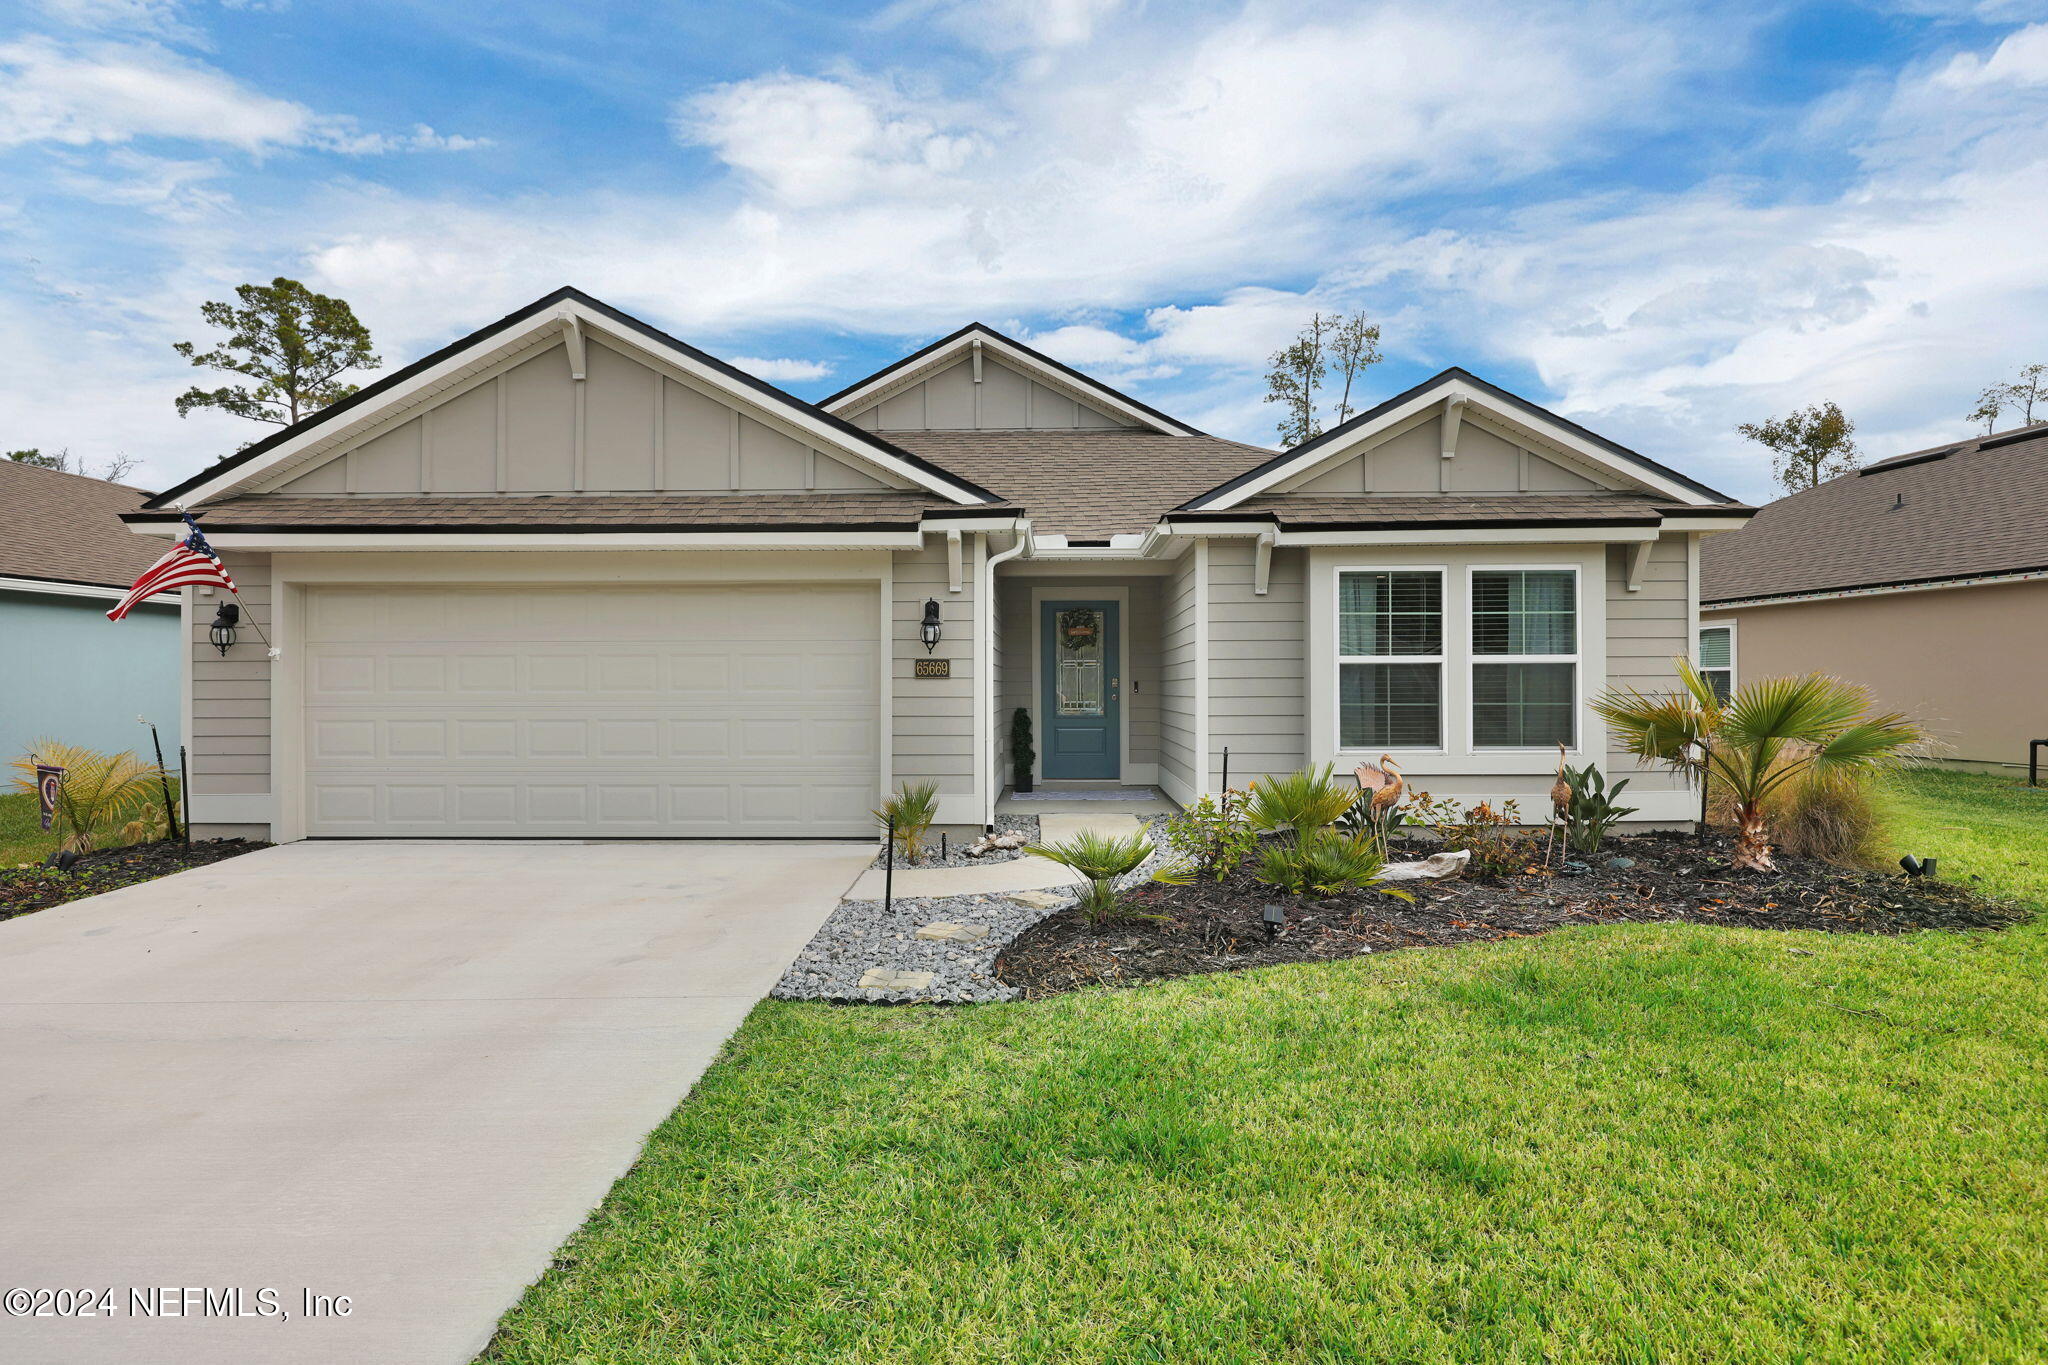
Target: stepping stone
946	931
1038	900
894	979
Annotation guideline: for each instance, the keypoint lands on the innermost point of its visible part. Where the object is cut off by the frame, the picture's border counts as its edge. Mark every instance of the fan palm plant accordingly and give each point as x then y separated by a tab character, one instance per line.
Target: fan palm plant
1100	859
1304	801
1769	733
99	791
910	813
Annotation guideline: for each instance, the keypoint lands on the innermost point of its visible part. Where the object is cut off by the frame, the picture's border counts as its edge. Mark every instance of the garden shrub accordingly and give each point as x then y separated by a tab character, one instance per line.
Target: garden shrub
1100	859
1304	800
1499	848
1837	817
1320	863
911	811
1209	839
98	791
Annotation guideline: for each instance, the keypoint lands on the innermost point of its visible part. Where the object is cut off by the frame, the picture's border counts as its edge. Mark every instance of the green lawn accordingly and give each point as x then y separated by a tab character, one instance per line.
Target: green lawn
1625	1144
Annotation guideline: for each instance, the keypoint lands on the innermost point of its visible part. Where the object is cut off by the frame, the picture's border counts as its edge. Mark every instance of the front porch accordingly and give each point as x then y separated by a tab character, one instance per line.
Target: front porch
1081	653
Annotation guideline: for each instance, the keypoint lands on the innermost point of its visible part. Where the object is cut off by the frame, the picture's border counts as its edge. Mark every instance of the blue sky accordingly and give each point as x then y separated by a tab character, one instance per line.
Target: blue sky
1662	219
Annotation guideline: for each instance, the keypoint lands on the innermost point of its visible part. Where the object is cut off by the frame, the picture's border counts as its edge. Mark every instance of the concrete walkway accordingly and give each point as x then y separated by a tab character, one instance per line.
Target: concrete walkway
400	1073
995	879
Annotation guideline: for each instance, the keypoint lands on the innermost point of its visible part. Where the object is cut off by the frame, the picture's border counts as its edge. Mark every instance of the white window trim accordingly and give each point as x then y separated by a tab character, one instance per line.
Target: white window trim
1577	658
1734	660
1441	658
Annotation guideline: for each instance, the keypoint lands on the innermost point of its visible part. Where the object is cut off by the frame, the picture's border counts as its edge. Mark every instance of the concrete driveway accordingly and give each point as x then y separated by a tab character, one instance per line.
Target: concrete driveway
399	1073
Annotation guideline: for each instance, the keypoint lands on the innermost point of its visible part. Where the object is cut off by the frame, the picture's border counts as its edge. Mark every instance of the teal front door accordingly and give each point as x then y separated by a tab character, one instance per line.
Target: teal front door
1079	691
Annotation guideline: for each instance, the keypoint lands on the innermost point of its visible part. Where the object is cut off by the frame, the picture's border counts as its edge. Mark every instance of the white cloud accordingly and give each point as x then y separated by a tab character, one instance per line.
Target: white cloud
118	92
2021	57
115	93
782	370
809	141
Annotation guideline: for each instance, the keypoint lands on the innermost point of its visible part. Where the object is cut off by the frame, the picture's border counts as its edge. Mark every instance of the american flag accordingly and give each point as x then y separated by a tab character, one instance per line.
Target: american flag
191	560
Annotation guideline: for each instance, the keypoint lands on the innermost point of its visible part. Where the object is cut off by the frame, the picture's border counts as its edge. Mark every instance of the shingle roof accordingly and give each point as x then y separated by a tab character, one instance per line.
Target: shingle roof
1087	484
1979	506
1369	511
580	511
66	528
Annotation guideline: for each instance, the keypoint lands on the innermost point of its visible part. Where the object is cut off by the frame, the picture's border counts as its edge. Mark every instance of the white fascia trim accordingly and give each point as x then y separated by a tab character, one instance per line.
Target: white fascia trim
964	345
1422	535
1454	391
1981	581
1000	526
568	314
164	599
602	540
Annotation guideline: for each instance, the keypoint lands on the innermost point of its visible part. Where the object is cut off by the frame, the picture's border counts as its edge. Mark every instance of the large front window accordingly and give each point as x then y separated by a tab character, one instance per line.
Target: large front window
1390	658
1525	658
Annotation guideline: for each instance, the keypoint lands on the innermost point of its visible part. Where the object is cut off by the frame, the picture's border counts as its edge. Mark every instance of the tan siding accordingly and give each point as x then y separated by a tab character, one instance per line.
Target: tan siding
1646	629
1257	706
928	709
1177	675
1004	400
1965	662
230	731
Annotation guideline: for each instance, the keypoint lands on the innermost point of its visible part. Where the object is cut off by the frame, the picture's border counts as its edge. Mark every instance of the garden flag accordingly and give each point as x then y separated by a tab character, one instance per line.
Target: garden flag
49	778
190	561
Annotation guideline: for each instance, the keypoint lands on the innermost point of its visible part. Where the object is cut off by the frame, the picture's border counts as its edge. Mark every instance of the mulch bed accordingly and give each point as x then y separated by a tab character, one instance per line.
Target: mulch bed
1216	927
27	889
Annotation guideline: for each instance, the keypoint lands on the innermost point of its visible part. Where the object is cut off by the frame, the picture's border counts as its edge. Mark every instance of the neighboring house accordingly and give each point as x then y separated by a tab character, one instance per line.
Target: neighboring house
67	672
571	577
1924	576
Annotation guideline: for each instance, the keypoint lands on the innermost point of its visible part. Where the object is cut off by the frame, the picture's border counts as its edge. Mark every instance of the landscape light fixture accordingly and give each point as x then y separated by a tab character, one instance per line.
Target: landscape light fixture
222	631
1274	916
929	632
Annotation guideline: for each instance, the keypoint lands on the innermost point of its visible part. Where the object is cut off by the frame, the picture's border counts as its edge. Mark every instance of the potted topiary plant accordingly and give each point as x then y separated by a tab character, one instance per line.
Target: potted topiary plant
1021	752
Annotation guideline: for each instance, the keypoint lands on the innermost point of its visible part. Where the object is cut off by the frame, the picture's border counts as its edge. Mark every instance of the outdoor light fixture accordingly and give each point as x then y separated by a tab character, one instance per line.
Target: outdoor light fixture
222	631
1919	867
930	630
1274	916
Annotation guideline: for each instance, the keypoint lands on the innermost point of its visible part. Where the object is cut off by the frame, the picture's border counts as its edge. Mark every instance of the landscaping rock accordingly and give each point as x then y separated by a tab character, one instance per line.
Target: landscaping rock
945	931
894	979
1020	828
1039	900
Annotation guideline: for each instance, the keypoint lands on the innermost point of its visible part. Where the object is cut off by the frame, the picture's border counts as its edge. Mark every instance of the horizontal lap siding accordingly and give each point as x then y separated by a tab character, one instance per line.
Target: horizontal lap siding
1177	669
231	695
1257	678
933	717
1143	627
1646	629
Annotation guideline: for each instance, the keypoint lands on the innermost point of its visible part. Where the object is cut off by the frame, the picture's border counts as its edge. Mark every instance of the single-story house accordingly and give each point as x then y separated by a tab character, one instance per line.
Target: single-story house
1924	577
572	577
66	672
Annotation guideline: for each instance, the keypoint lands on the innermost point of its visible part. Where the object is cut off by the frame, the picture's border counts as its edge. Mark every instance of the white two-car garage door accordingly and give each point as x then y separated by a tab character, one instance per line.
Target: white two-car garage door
601	711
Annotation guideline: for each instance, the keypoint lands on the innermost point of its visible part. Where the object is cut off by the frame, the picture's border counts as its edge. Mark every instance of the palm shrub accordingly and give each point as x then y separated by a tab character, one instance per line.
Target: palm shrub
98	792
1770	734
1318	862
1100	859
911	812
1305	800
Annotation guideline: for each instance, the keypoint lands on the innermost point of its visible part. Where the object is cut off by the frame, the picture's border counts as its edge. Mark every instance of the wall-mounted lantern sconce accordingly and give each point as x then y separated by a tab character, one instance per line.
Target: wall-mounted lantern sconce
930	630
222	631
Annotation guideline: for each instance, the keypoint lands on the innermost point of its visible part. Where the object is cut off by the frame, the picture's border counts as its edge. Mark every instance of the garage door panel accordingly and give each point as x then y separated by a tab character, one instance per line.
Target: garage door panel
626	710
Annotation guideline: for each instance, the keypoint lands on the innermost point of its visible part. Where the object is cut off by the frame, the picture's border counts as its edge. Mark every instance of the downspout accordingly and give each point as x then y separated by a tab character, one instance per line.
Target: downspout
987	700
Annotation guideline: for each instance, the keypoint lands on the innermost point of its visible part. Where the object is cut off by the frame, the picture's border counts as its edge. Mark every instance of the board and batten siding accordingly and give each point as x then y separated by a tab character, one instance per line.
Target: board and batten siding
231	710
1004	400
932	719
1182	684
626	427
1646	630
1257	664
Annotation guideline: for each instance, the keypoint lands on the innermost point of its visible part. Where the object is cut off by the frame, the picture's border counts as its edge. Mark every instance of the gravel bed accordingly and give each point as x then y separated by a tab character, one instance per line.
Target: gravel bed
956	853
859	936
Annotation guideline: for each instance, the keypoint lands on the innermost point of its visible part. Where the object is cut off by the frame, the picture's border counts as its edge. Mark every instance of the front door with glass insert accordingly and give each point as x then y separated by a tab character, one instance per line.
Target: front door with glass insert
1080	690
